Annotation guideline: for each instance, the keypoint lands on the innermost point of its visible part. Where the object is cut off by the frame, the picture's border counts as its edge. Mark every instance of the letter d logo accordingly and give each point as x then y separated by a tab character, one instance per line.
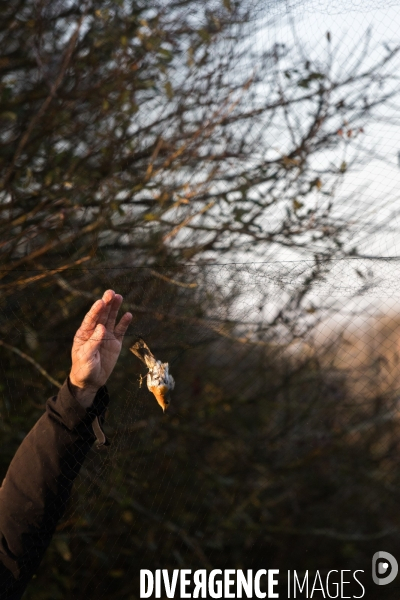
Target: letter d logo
385	564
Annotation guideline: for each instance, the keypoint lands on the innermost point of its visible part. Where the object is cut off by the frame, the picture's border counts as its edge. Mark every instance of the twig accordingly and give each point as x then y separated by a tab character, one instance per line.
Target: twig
173	281
176	229
46	273
66	286
46	103
50	246
32	361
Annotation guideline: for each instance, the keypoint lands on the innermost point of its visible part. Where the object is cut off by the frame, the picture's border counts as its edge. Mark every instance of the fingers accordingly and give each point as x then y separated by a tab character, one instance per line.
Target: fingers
108	298
122	326
112	315
103	312
95	340
90	321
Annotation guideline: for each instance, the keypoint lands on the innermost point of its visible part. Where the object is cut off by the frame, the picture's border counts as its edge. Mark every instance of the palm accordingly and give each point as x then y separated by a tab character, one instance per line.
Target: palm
98	342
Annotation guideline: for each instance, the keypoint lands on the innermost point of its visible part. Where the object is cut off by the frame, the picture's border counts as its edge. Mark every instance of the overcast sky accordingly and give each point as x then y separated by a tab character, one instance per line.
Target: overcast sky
348	22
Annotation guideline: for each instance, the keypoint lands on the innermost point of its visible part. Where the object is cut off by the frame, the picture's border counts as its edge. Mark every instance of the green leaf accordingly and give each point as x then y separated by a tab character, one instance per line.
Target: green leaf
169	90
238	214
304	83
167	54
150	217
297	204
205	36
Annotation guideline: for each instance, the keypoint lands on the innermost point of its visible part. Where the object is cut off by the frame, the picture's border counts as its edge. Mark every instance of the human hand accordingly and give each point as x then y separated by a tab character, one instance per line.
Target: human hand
97	345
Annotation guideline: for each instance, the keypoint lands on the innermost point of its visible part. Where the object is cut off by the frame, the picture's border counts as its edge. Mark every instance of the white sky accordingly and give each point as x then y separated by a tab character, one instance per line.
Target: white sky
348	21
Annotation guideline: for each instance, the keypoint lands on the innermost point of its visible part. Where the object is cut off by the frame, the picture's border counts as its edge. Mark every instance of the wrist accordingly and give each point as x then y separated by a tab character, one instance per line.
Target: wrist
84	395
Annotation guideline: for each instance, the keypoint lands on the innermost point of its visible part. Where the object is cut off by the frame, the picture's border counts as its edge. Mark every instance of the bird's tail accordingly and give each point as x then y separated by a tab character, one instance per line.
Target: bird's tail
142	351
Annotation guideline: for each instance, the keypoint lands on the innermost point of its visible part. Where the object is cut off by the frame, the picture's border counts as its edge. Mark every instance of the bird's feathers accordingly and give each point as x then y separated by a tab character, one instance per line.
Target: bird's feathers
159	381
142	351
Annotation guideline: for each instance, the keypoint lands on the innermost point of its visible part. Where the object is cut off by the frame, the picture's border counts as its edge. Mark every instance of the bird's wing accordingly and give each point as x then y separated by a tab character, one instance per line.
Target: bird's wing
142	351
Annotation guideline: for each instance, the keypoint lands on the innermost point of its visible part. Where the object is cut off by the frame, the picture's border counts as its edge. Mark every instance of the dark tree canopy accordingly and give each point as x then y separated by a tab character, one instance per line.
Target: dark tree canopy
159	131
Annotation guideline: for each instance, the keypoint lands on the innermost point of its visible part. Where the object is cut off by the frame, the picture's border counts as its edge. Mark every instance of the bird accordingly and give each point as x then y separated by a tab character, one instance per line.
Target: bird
159	380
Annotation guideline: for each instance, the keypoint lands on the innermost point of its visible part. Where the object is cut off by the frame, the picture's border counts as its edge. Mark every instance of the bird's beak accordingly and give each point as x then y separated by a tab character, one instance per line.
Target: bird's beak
167	400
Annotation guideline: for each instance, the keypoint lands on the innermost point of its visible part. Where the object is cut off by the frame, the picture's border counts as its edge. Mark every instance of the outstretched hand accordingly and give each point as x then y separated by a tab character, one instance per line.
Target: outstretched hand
97	345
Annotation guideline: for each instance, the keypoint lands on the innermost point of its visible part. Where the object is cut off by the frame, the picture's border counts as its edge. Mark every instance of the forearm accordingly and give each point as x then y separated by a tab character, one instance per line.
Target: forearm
38	483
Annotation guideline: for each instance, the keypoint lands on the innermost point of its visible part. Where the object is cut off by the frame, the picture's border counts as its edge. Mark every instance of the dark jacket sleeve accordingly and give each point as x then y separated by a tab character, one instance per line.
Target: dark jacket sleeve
38	483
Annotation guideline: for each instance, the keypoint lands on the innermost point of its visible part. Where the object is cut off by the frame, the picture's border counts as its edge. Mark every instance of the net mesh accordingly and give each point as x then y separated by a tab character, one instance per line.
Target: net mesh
242	196
285	411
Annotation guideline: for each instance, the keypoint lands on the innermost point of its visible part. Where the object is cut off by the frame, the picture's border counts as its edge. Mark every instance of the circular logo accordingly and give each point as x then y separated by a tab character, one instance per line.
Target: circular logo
384	568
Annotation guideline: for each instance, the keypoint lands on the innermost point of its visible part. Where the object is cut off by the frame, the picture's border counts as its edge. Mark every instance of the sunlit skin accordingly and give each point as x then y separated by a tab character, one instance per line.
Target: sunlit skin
96	347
